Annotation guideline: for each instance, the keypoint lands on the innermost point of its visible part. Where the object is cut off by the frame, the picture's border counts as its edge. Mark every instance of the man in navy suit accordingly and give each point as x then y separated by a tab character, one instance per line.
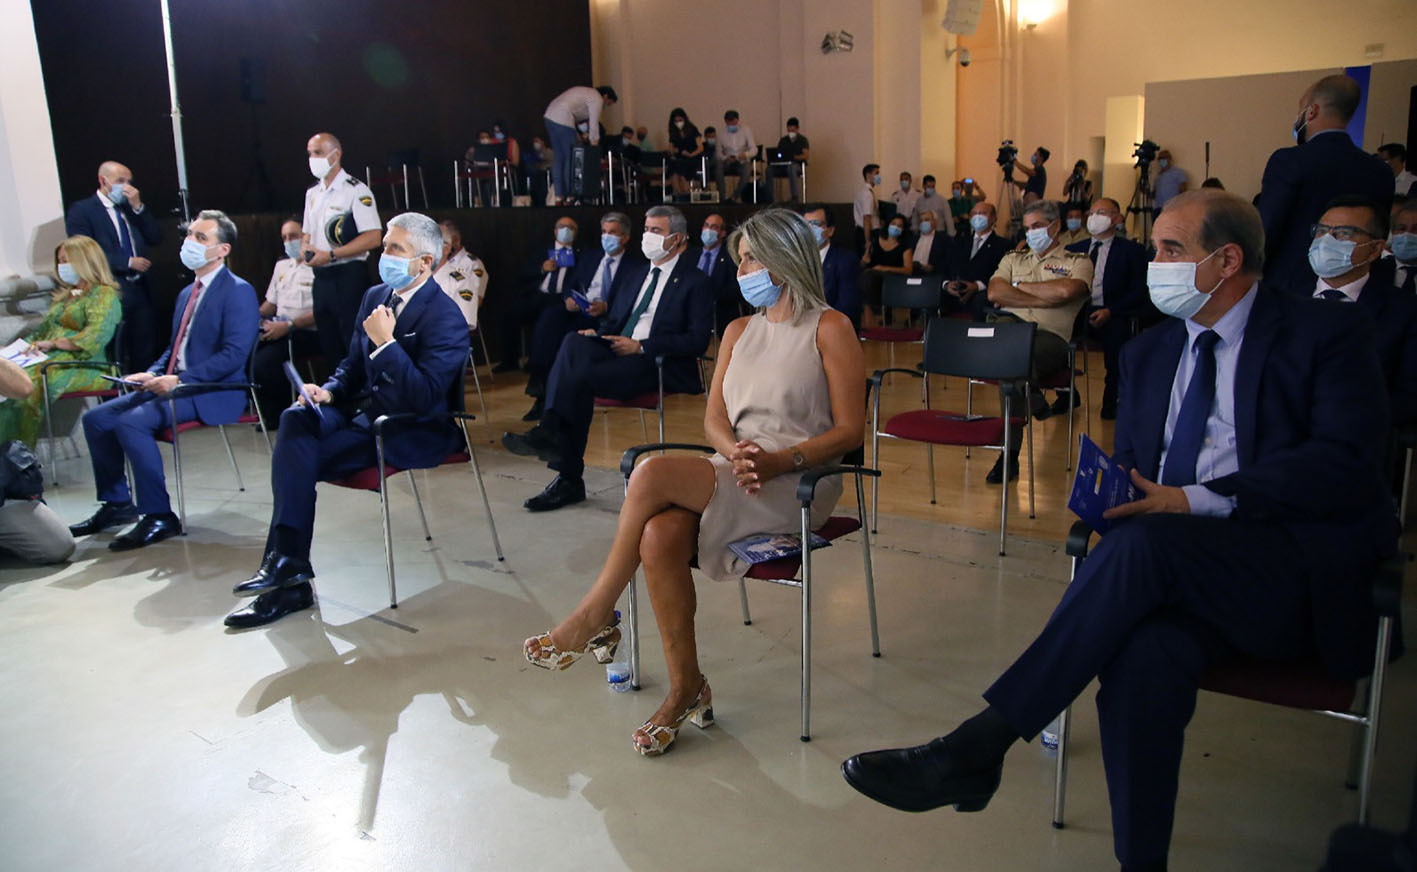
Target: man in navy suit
214	327
405	355
663	309
1118	294
596	276
711	258
973	262
1262	518
841	268
1300	180
116	218
543	286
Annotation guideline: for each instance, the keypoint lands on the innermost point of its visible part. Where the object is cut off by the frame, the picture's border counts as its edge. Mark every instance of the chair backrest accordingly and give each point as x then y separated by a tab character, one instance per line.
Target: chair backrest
994	351
403	157
486	152
911	292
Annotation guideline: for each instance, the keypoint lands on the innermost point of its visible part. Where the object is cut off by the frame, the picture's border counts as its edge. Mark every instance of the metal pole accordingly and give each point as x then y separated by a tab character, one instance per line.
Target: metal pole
176	111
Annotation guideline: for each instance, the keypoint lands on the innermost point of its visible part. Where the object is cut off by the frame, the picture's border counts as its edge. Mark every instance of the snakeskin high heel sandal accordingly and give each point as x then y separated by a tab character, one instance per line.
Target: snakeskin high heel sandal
661	737
541	651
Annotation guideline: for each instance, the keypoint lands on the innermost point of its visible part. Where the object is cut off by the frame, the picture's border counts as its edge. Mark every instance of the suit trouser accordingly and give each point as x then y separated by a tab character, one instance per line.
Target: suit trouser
1111	336
551	327
128	426
563	140
136	346
586	368
1161	599
523	310
337	292
272	387
311	449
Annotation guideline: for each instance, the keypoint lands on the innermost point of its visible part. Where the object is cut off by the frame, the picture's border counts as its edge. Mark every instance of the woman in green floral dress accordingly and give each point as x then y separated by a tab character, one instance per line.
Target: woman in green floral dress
79	326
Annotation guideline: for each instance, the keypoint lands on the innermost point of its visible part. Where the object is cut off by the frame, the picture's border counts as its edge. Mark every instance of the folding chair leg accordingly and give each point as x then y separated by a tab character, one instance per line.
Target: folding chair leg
418	501
743	599
388	532
1060	774
261	419
482	338
1375	705
486	505
806	626
930	469
660	412
644	431
1406	488
969	408
866	561
1004	465
232	457
477	383
1028	423
49	428
632	610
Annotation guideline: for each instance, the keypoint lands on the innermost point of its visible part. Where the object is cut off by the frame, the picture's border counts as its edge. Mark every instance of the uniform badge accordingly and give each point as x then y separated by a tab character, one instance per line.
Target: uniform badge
366	201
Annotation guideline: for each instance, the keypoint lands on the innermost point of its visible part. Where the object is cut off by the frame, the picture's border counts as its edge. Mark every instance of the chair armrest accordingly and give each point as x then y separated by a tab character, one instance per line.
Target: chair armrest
184	389
807	487
1387	584
418	418
1078	536
879	374
632	454
78	364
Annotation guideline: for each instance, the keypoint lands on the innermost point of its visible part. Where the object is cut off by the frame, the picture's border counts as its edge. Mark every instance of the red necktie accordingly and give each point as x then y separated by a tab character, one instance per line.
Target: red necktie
182	328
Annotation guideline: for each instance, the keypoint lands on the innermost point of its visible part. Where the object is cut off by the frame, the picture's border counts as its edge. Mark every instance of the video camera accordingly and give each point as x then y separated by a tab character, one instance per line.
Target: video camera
1145	153
1008	153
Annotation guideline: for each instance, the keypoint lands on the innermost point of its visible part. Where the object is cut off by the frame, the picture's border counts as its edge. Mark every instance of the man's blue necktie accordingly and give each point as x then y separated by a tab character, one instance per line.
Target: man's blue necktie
605	277
706	263
1189	432
125	239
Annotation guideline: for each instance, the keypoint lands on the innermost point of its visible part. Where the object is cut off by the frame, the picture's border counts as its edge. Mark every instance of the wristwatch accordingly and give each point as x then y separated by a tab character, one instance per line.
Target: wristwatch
799	459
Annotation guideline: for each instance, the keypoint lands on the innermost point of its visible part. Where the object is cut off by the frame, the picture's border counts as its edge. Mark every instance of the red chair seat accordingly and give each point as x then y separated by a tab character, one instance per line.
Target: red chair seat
647	401
80	395
893	334
787	567
1297	685
947	428
368	477
166	435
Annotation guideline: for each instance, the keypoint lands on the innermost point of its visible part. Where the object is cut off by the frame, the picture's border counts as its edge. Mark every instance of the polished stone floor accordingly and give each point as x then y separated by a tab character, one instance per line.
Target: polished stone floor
138	733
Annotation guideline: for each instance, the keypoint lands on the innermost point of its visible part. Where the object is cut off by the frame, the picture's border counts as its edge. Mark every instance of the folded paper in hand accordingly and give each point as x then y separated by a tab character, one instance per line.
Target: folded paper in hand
299	384
1100	484
762	547
18	353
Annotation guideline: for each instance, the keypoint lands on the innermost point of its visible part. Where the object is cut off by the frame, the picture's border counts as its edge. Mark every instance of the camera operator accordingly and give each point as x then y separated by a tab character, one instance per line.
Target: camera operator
1077	190
1170	179
1037	183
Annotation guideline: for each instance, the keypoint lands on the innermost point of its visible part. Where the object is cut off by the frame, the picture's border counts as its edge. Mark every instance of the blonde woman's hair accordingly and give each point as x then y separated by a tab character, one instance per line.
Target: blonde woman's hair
85	256
782	241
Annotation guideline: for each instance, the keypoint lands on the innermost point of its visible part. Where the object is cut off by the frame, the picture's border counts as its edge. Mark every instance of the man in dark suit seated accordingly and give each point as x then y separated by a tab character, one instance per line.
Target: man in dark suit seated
542	286
841	268
214	326
664	308
1300	180
596	276
405	355
1402	269
1118	294
1263	515
116	218
711	258
973	262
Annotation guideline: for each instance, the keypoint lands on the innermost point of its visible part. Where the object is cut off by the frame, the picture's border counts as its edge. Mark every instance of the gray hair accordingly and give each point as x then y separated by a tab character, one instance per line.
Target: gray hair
621	219
1047	208
783	243
677	222
225	227
423	232
1228	219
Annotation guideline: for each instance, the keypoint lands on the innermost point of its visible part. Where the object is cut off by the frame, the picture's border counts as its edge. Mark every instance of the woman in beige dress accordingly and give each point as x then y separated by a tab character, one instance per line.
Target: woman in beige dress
788	394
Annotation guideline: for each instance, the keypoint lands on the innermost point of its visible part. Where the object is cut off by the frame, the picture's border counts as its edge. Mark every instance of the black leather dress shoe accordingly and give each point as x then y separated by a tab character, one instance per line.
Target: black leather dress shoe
1109	411
1062	403
536	442
272	606
560	492
996	475
534	414
276	571
108	515
149	529
922	778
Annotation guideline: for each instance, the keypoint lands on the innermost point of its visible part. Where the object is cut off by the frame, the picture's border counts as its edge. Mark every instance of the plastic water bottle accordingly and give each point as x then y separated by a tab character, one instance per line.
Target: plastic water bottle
617	671
1049	737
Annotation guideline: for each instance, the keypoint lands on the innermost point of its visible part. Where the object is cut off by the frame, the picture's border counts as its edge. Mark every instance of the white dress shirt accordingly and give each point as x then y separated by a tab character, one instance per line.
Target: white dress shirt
115	216
641	328
1218	456
1100	267
181	351
1402	182
1350	291
905	204
325	202
464	279
863	205
290	290
730	145
560	274
600	284
923	243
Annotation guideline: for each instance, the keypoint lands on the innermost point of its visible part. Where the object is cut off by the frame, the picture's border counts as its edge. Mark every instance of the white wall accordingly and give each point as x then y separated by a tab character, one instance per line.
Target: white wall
32	220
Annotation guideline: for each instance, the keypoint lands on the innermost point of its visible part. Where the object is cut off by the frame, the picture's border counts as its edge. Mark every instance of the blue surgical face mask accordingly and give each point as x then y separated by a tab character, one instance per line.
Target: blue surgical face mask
757	288
819	233
1331	257
499	136
565	235
1038	239
1404	246
876	179
979	222
1172	287
115	193
926	226
609	242
1034	160
393	271
732	128
1163	163
193	254
67	274
709	237
292	249
893	231
905	184
1074	224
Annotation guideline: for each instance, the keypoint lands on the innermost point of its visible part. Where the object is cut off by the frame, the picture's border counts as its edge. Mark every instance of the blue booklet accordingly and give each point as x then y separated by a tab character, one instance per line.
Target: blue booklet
582	301
562	257
1099	485
762	547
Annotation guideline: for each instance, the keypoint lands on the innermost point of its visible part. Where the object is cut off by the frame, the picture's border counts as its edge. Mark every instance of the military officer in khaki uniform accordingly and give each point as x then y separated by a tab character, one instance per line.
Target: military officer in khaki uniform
332	248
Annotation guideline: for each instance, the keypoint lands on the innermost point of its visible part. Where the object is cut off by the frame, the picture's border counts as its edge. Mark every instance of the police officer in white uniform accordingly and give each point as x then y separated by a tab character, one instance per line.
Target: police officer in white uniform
287	325
461	276
341	276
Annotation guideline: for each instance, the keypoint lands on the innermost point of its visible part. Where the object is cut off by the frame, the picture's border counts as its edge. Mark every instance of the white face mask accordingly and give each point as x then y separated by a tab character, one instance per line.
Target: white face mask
652	244
1098	224
320	166
1172	287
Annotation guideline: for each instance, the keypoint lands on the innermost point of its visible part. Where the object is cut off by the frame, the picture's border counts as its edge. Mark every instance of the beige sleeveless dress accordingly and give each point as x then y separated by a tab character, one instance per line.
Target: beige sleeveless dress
776	393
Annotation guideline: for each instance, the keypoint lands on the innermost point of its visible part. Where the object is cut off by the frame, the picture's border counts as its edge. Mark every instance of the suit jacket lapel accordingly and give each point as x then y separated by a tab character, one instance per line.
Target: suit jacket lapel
1156	397
413	309
1259	339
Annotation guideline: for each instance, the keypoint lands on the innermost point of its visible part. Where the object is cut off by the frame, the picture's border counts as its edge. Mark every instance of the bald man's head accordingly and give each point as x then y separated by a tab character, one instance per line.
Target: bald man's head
112	171
325	154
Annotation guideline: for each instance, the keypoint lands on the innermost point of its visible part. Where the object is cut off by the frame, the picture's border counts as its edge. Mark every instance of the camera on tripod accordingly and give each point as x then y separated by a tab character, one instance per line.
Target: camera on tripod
1145	153
1008	153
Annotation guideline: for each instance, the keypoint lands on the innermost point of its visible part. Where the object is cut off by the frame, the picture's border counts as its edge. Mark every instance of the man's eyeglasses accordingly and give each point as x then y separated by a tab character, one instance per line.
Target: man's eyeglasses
1342	232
